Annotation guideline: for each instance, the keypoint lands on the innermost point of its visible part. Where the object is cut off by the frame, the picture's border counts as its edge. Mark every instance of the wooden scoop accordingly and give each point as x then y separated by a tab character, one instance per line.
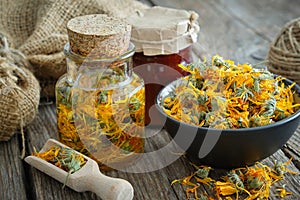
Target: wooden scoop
88	178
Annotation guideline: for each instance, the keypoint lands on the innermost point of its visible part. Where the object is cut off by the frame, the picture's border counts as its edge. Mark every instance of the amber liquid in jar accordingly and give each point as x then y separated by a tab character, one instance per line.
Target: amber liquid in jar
157	71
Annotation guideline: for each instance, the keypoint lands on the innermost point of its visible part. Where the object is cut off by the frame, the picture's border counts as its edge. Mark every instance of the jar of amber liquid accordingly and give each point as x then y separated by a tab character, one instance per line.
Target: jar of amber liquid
163	38
100	101
158	71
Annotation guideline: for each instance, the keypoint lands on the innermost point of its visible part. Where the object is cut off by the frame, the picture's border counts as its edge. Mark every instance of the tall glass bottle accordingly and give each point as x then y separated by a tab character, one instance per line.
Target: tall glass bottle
101	103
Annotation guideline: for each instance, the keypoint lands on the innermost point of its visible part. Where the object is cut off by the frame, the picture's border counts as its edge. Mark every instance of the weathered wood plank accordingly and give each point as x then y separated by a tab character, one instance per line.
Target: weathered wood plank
156	184
226	31
220	33
153	185
45	187
12	176
292	182
264	17
292	148
239	30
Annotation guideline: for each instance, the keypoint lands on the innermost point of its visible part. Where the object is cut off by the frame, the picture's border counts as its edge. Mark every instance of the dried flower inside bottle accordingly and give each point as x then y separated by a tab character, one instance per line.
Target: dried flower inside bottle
100	102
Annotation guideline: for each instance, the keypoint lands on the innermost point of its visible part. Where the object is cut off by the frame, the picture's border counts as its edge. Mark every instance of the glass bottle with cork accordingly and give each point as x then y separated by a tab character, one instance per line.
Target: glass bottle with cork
100	101
163	38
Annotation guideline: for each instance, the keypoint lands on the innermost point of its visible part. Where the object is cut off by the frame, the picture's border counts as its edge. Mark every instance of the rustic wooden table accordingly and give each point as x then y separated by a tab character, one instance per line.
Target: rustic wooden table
241	30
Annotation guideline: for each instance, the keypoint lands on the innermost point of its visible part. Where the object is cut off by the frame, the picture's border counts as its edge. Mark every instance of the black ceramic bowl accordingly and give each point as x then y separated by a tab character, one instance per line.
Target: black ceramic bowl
231	147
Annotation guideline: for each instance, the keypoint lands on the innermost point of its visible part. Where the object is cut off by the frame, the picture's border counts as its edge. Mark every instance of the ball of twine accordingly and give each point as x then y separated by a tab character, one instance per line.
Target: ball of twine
19	92
284	53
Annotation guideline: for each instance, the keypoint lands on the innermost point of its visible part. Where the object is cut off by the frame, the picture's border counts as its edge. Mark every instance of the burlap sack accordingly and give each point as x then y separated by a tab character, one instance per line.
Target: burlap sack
38	29
20	91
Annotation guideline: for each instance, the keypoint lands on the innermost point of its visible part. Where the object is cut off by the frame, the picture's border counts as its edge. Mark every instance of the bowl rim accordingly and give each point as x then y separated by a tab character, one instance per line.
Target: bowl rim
278	123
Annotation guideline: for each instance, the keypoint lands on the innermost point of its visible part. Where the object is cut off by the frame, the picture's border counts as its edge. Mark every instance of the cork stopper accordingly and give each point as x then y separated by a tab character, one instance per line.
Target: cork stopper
98	35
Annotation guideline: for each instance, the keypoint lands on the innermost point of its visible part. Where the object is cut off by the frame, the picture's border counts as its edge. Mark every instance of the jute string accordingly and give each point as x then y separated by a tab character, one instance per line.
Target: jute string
19	93
284	53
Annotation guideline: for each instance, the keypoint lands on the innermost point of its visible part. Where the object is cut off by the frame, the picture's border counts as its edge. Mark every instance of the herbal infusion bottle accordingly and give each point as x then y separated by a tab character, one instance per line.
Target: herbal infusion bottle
100	101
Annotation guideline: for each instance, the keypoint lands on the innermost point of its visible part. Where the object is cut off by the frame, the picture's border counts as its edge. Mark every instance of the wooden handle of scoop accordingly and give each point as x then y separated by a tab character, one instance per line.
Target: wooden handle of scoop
90	178
109	188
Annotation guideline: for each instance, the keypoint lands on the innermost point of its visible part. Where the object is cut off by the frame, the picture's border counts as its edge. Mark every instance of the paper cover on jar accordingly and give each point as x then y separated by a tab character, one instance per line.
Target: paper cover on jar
162	31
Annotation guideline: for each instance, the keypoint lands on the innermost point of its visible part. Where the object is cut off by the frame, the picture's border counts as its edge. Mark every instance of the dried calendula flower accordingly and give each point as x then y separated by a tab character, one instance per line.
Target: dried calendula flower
64	158
282	193
248	183
224	95
194	181
281	168
225	189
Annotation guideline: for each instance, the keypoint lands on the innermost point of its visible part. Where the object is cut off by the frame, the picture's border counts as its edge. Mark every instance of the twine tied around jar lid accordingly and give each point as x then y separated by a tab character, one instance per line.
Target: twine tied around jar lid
162	31
284	53
20	93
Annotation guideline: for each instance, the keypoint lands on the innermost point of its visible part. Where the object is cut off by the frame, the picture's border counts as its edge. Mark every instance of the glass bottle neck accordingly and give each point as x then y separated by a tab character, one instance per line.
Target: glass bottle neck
91	72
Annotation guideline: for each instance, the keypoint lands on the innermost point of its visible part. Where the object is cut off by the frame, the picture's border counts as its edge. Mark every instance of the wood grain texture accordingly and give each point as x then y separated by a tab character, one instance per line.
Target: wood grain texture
292	148
265	18
237	29
87	178
45	187
12	176
148	186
